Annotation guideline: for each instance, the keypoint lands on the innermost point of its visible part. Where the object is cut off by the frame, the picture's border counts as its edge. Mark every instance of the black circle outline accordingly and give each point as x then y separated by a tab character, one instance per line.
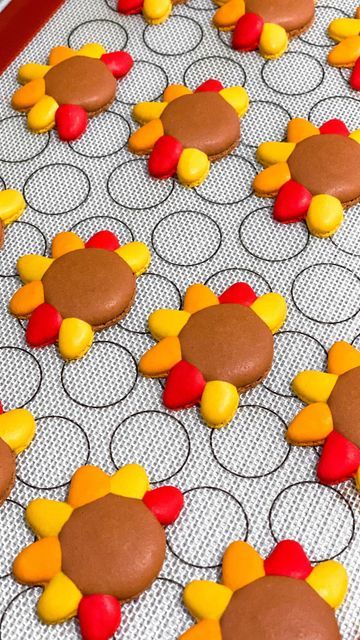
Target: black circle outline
9	604
29	224
326	486
341	97
321	264
314	44
301	333
255	273
159	275
193	264
4	346
63	484
301	93
262	475
343	71
7	160
126	206
104	155
86	22
217	57
153	64
173	55
242	509
56	164
112	404
163	413
348	253
233	202
103	216
2	184
8	575
274	104
272	260
111	8
189	6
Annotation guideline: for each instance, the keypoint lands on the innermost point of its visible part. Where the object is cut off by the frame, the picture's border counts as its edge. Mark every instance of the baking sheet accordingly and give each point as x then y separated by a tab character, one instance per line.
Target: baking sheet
240	482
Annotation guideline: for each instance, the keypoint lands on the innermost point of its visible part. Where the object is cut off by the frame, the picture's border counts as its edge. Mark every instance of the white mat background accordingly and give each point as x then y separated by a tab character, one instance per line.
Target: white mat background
243	480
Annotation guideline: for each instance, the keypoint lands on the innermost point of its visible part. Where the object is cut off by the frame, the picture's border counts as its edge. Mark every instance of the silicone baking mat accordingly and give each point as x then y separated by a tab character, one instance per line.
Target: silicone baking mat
243	481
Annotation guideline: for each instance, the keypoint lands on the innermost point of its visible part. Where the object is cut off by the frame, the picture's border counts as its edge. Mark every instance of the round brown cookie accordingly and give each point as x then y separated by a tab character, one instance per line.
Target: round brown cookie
113	545
328	163
294	16
83	81
344	404
94	285
203	121
278	608
228	342
7	470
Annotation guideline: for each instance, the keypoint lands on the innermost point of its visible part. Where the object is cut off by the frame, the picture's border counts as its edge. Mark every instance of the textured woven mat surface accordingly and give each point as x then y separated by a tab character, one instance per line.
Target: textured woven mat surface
243	481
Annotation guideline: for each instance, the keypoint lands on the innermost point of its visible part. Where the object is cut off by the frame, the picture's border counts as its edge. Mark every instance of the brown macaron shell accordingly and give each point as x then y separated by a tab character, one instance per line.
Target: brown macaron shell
344	404
94	285
328	164
113	545
228	342
7	470
278	608
83	81
294	16
203	121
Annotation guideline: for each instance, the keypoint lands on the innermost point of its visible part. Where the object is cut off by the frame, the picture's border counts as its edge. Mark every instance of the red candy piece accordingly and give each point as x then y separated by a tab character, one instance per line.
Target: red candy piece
1	408
164	157
246	35
129	7
238	293
119	63
103	240
99	617
355	76
292	202
71	121
334	126
339	460
288	559
43	326
209	85
165	503
184	386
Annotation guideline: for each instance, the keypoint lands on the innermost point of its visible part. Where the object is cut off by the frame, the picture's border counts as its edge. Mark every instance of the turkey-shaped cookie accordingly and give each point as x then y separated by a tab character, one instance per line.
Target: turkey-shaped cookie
102	547
84	287
214	348
280	598
266	25
332	417
74	86
314	175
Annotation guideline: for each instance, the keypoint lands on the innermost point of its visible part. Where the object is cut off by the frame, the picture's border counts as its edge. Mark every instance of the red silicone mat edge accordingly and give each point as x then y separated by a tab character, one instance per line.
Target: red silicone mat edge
19	22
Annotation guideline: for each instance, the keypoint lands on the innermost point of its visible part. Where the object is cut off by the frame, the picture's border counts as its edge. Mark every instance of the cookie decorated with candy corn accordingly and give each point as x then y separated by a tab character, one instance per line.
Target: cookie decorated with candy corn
84	287
281	597
154	11
17	429
189	130
314	175
74	86
213	349
102	547
332	417
263	25
346	31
